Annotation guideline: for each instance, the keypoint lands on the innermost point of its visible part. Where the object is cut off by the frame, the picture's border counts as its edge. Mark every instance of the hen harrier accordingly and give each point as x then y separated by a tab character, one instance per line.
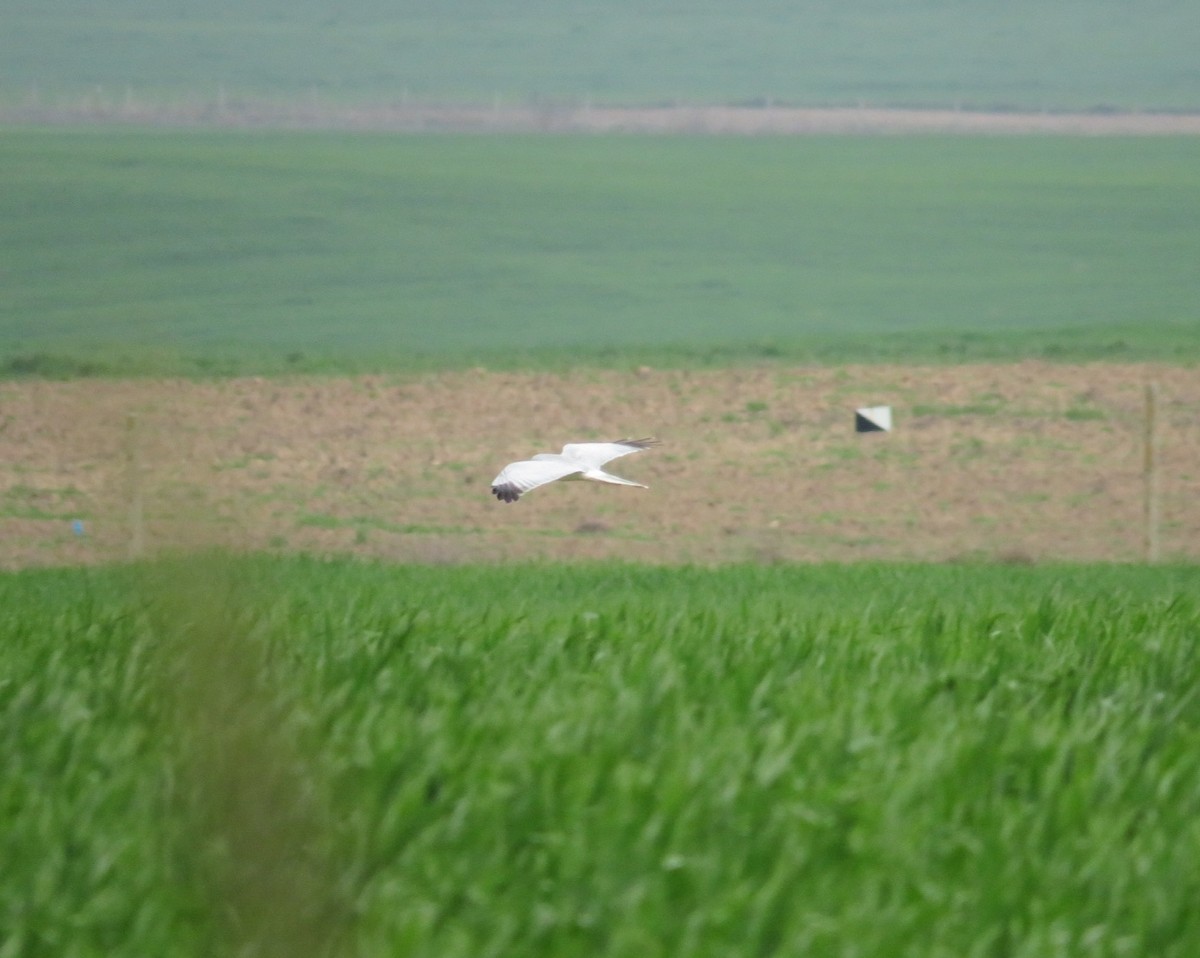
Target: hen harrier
578	460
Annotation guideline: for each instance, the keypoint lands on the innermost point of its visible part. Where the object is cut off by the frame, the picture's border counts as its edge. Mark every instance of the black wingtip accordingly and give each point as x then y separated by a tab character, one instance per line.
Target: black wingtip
644	443
506	493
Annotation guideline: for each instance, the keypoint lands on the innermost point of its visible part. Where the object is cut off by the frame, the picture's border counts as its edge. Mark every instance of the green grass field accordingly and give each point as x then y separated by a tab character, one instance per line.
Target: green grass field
345	758
1073	54
127	251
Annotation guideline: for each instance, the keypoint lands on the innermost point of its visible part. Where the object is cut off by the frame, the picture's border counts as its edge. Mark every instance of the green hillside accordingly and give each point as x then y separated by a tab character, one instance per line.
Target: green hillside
1072	54
243	251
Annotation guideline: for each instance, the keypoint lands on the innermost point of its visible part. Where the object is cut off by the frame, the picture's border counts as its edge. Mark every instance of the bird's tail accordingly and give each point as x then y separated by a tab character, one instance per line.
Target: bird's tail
599	475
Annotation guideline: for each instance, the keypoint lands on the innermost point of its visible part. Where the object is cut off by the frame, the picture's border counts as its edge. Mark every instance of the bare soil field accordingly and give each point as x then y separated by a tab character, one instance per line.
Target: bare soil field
550	117
1019	462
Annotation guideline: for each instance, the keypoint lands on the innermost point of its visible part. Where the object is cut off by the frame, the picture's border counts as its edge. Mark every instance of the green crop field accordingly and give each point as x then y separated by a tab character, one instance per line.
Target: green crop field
1072	54
299	757
127	251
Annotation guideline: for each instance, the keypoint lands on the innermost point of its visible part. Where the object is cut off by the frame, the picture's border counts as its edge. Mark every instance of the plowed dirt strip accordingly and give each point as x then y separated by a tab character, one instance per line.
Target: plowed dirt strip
548	118
1015	462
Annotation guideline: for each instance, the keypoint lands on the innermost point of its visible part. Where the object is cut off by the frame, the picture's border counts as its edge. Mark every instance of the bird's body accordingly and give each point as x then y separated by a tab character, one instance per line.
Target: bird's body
578	460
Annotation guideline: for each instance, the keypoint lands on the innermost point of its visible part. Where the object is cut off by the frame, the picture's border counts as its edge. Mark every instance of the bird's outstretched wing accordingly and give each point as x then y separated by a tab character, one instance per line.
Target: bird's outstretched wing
593	455
578	460
517	478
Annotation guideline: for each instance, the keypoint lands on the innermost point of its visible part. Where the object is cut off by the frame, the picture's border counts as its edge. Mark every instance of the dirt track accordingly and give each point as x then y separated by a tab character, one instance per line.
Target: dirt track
1014	462
568	118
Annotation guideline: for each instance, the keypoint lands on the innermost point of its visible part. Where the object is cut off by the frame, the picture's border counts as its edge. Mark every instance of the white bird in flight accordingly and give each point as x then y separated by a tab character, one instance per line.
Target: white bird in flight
578	460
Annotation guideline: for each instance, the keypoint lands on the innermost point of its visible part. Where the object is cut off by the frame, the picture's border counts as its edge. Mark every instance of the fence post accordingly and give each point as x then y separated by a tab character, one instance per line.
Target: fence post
1150	470
137	518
